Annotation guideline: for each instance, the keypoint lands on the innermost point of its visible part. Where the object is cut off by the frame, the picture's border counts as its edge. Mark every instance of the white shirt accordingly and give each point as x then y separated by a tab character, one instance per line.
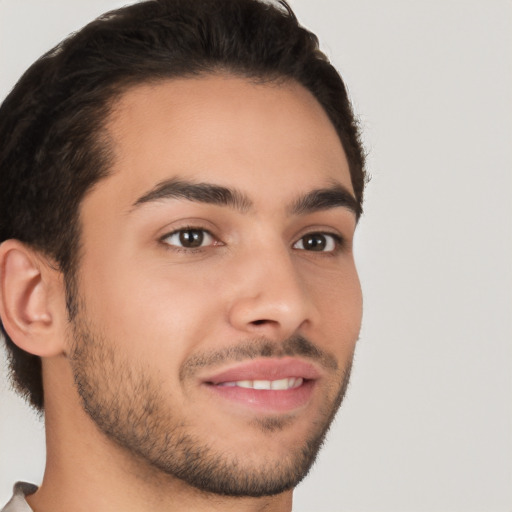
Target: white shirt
18	503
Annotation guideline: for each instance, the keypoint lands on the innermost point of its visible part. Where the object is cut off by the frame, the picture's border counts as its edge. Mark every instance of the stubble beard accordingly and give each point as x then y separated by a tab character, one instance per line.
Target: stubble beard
127	405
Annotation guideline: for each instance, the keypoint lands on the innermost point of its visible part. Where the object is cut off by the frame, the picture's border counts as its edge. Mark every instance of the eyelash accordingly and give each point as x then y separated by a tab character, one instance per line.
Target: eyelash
185	229
336	239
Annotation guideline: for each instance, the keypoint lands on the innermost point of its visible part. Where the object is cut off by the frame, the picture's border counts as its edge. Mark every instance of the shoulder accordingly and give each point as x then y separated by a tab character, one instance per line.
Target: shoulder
18	503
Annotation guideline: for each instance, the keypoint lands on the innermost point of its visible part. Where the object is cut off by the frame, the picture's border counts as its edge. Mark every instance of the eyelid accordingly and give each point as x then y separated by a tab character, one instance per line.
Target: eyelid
214	240
337	239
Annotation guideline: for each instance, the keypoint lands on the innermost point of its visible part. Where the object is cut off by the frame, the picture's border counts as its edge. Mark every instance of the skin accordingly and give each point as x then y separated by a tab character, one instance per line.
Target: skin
162	306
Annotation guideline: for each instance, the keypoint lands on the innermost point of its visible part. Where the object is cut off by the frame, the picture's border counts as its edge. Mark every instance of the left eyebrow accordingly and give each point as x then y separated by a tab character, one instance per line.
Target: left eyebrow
325	199
197	192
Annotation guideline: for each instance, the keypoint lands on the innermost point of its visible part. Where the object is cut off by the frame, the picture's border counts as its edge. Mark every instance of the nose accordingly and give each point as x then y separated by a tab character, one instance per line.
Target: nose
270	298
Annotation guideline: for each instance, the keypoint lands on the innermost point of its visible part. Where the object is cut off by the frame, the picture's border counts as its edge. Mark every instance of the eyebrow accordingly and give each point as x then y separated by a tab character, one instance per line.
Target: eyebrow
199	192
334	196
326	198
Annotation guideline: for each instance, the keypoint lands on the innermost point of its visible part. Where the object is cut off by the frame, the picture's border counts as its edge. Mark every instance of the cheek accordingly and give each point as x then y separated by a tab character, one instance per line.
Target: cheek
151	308
338	300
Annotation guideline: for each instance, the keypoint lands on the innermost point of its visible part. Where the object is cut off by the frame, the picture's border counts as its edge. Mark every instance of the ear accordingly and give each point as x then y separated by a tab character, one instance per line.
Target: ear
32	300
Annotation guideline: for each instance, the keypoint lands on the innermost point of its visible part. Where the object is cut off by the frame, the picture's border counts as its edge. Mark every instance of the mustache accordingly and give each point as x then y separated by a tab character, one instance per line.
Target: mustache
295	346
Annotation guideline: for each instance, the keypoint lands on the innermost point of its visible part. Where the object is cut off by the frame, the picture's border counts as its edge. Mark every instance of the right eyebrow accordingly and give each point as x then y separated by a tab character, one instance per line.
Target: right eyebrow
200	192
335	196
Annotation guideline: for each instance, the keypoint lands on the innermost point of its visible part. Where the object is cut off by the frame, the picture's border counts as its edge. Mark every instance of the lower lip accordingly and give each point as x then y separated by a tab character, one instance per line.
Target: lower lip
266	400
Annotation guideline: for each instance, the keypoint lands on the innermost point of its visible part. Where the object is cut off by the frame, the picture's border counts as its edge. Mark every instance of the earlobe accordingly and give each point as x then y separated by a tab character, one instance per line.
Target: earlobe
30	305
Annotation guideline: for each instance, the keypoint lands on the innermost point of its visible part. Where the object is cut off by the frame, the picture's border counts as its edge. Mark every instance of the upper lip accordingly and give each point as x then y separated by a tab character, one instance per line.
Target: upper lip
265	369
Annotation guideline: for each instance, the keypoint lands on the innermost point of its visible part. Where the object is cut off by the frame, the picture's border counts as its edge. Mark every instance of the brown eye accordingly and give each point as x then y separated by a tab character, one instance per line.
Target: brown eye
189	238
319	242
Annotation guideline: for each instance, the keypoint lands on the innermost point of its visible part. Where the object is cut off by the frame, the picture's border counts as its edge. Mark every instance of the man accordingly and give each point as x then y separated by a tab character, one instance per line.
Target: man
180	185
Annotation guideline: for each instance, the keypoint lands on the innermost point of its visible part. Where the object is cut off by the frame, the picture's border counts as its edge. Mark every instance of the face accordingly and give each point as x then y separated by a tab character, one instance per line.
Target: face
219	301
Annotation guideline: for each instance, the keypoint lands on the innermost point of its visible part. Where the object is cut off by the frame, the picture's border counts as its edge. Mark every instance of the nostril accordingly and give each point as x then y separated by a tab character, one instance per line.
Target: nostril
264	321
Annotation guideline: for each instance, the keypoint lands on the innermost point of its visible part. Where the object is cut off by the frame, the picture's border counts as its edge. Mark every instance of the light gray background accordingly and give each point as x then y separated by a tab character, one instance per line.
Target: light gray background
427	424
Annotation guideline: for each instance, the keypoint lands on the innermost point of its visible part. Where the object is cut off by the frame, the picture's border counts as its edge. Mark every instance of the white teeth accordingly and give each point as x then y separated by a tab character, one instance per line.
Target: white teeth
278	385
281	384
261	384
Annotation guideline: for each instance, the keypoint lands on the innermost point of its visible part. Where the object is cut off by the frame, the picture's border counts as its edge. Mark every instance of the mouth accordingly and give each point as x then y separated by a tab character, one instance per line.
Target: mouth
270	386
275	385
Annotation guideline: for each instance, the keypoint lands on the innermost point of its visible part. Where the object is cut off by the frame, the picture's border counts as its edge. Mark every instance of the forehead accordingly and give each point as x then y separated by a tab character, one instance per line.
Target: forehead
227	130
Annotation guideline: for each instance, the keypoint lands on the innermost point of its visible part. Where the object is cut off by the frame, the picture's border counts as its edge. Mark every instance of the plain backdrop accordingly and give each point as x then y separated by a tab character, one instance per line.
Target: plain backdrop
427	423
